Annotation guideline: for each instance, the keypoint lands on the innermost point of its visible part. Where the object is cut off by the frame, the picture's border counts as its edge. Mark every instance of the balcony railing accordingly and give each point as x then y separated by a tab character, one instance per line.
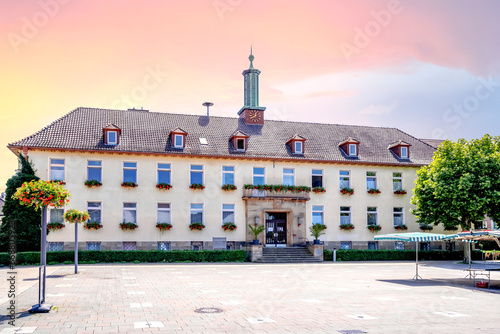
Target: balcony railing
286	194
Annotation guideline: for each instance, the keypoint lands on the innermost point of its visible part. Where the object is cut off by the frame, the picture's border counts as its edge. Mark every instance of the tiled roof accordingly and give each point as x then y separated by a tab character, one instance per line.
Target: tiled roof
148	132
433	142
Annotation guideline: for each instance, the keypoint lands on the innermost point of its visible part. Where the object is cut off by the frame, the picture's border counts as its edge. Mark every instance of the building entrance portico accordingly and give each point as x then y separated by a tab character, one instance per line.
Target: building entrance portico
276	229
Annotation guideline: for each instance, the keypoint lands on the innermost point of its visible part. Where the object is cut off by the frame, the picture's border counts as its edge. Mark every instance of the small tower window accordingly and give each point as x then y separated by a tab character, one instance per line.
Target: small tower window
178	141
240	144
352	149
298	147
404	152
112	138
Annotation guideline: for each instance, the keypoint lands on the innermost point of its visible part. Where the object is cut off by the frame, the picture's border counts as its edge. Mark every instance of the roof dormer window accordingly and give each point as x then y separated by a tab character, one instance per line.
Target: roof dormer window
298	147
239	140
111	134
400	149
178	141
178	138
296	144
350	147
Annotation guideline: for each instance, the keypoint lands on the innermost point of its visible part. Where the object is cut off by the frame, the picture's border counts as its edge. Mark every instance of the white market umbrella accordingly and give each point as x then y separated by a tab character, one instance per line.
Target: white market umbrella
415	237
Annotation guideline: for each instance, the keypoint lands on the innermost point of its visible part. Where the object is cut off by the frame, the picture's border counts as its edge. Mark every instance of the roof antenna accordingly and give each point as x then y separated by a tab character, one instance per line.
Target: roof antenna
208	105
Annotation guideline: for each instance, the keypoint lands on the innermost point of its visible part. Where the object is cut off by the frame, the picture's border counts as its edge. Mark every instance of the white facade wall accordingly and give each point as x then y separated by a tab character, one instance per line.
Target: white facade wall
146	195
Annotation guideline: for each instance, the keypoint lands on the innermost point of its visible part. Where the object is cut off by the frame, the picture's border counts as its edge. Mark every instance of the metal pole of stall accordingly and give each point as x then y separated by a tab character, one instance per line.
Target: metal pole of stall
76	248
417	276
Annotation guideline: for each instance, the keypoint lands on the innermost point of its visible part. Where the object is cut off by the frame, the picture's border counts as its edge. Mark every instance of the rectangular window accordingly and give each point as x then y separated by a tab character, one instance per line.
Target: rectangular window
398	216
288	176
163	246
397	181
373	245
240	144
163	213
317	214
56	246
371	180
404	152
56	216
228	213
399	245
129	246
196	213
112	138
345	215
345	245
227	175
57	169
259	176
163	173
94	210
425	246
352	149
344	179
94	170
130	213
317	178
178	141
130	172
298	147
197	174
94	246
372	218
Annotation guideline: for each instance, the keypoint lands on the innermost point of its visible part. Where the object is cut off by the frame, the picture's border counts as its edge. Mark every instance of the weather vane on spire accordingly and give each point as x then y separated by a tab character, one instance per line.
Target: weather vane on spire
251	57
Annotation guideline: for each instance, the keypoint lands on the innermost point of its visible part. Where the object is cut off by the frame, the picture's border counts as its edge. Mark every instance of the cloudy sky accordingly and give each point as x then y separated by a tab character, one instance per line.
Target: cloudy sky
430	68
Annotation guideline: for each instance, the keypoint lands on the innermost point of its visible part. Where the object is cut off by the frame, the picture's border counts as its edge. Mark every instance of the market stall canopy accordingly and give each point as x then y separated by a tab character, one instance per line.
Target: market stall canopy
415	237
474	236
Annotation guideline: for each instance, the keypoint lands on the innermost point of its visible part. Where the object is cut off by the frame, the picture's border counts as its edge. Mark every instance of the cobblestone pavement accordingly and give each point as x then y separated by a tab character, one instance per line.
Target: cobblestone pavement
354	297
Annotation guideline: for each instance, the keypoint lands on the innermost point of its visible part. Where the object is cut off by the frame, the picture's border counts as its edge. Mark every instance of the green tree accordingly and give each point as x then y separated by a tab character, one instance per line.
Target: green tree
25	219
461	184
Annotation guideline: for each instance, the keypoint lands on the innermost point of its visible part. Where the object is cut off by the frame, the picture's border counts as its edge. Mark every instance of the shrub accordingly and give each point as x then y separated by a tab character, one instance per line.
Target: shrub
395	255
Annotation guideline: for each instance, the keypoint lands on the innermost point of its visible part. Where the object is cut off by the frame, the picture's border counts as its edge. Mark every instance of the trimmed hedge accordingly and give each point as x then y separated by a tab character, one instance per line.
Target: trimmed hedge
395	255
130	256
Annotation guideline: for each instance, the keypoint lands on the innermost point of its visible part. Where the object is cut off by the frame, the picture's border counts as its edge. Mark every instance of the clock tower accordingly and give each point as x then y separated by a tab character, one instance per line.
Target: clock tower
251	112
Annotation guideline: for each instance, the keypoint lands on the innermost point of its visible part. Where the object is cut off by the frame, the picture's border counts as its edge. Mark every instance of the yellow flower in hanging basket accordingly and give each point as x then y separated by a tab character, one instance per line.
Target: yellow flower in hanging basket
41	194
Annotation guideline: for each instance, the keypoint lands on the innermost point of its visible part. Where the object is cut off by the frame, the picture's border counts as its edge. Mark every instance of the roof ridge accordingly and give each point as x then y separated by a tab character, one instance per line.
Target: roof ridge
46	127
417	139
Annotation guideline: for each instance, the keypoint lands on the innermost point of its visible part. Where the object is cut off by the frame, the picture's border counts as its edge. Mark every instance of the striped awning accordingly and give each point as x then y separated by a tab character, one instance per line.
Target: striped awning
475	236
415	236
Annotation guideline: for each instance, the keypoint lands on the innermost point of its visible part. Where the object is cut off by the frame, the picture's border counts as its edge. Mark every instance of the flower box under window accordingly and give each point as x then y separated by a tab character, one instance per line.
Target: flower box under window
374	191
229	226
318	190
347	191
400	192
93	183
228	187
55	226
197	186
400	227
125	226
129	184
92	226
426	227
374	228
196	226
163	186
347	227
61	182
163	226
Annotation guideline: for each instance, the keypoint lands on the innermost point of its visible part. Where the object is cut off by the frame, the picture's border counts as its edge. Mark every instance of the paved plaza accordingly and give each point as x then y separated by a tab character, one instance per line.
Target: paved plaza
342	297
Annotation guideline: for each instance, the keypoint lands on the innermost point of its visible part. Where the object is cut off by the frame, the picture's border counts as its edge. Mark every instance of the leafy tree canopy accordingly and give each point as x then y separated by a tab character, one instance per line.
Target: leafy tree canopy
25	219
461	184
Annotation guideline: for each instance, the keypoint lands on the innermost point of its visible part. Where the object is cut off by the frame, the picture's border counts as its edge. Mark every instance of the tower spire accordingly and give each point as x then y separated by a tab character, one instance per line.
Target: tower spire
251	88
251	58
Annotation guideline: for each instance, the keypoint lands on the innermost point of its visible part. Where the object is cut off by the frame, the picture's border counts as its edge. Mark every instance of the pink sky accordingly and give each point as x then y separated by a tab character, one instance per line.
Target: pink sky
419	59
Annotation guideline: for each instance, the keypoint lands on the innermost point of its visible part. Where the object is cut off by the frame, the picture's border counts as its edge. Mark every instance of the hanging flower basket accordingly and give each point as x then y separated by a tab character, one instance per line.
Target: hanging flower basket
128	226
400	192
196	226
374	191
347	191
92	226
426	227
400	227
93	183
59	182
347	227
163	226
374	228
129	184
197	186
229	226
56	226
41	194
318	190
228	187
163	186
76	216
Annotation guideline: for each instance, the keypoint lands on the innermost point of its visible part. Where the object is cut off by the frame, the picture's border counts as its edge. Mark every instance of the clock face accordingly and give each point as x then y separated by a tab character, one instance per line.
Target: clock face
255	116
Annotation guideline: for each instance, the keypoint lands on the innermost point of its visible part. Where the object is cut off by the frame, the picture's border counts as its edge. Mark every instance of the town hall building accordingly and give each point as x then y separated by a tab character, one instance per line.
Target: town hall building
149	168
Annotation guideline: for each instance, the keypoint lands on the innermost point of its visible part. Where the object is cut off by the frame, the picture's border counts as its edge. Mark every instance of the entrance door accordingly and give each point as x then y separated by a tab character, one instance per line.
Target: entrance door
275	229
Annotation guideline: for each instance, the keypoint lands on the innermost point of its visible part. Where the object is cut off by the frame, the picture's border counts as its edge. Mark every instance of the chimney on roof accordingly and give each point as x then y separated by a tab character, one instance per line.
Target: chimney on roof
208	105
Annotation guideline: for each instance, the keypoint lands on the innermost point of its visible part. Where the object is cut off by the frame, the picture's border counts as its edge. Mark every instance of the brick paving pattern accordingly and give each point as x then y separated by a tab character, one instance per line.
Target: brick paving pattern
361	297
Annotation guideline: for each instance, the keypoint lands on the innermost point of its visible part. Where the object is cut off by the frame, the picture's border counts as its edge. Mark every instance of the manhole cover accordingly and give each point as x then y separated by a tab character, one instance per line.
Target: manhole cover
352	331
208	310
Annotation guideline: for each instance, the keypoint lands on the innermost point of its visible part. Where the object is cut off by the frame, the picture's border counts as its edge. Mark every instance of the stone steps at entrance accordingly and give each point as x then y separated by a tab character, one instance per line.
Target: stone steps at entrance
287	255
